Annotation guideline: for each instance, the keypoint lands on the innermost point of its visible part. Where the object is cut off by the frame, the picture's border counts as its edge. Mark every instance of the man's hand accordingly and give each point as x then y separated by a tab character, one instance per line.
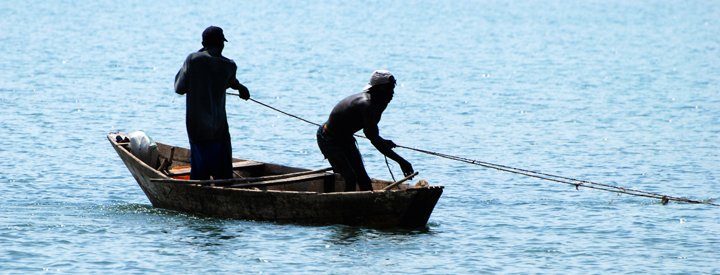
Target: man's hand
406	168
244	93
390	143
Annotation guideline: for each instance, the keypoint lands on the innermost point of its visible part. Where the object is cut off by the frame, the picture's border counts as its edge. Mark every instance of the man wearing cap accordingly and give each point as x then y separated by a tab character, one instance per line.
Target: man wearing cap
204	77
355	112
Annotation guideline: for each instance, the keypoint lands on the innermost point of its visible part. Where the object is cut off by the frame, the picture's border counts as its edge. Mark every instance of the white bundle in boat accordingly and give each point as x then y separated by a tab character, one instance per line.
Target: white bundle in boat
144	148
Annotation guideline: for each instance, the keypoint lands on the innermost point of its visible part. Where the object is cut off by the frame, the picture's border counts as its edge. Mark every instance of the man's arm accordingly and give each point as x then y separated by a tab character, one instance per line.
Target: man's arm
181	86
244	92
384	146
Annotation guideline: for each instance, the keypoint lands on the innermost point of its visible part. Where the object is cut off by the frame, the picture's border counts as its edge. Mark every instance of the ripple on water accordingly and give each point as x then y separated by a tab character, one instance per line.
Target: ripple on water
608	98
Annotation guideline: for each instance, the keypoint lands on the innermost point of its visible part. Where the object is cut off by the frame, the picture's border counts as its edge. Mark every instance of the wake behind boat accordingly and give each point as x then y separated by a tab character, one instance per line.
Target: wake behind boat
272	192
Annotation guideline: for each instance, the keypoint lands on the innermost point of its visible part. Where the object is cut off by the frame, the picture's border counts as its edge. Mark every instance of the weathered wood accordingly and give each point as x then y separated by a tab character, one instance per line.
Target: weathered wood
400	181
235	165
280	181
238	181
297	199
319	172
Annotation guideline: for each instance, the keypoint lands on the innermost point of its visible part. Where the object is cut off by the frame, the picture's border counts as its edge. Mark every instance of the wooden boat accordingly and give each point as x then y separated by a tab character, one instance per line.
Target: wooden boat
272	192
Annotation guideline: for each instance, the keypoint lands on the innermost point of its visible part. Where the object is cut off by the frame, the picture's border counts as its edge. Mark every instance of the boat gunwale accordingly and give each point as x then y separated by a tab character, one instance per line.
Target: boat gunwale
163	178
135	159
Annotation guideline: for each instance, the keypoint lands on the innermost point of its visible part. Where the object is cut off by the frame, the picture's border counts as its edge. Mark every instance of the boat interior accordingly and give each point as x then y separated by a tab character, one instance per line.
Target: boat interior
174	163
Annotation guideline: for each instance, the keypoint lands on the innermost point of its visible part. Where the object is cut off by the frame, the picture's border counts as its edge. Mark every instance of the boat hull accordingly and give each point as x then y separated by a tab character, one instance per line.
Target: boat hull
405	207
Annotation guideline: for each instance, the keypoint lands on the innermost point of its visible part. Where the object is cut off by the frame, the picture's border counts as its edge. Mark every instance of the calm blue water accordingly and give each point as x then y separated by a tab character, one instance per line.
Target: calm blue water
618	92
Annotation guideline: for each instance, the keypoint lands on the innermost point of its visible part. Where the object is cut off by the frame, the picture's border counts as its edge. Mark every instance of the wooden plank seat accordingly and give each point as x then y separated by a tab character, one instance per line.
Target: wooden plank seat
286	180
183	171
263	182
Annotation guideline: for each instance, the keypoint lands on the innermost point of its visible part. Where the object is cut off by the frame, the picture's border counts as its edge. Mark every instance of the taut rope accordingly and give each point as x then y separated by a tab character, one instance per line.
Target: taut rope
539	175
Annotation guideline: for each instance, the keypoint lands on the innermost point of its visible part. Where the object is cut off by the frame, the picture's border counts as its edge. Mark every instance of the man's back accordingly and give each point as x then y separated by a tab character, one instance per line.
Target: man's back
352	114
205	77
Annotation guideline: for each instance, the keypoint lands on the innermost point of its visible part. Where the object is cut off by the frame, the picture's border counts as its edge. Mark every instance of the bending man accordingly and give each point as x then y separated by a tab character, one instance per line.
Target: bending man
355	112
204	77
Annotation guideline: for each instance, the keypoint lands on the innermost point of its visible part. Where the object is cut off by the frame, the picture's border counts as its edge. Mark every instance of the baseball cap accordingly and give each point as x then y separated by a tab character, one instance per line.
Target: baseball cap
213	34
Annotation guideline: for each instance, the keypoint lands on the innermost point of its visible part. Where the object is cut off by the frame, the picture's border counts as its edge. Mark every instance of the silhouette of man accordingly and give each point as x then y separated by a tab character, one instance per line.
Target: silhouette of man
355	112
204	77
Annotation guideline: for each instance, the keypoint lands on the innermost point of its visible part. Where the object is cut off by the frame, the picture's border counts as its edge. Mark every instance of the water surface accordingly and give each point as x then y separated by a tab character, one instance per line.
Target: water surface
624	93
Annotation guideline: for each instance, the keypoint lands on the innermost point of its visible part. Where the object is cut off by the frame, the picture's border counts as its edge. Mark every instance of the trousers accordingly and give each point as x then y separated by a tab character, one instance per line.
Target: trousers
211	159
345	158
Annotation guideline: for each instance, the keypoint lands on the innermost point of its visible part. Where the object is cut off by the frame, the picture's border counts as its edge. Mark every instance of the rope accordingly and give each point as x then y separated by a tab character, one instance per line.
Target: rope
313	123
529	173
280	111
560	179
389	170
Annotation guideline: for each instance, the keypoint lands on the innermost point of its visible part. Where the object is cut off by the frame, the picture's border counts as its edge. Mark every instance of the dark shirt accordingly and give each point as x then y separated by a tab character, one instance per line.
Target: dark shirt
204	77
